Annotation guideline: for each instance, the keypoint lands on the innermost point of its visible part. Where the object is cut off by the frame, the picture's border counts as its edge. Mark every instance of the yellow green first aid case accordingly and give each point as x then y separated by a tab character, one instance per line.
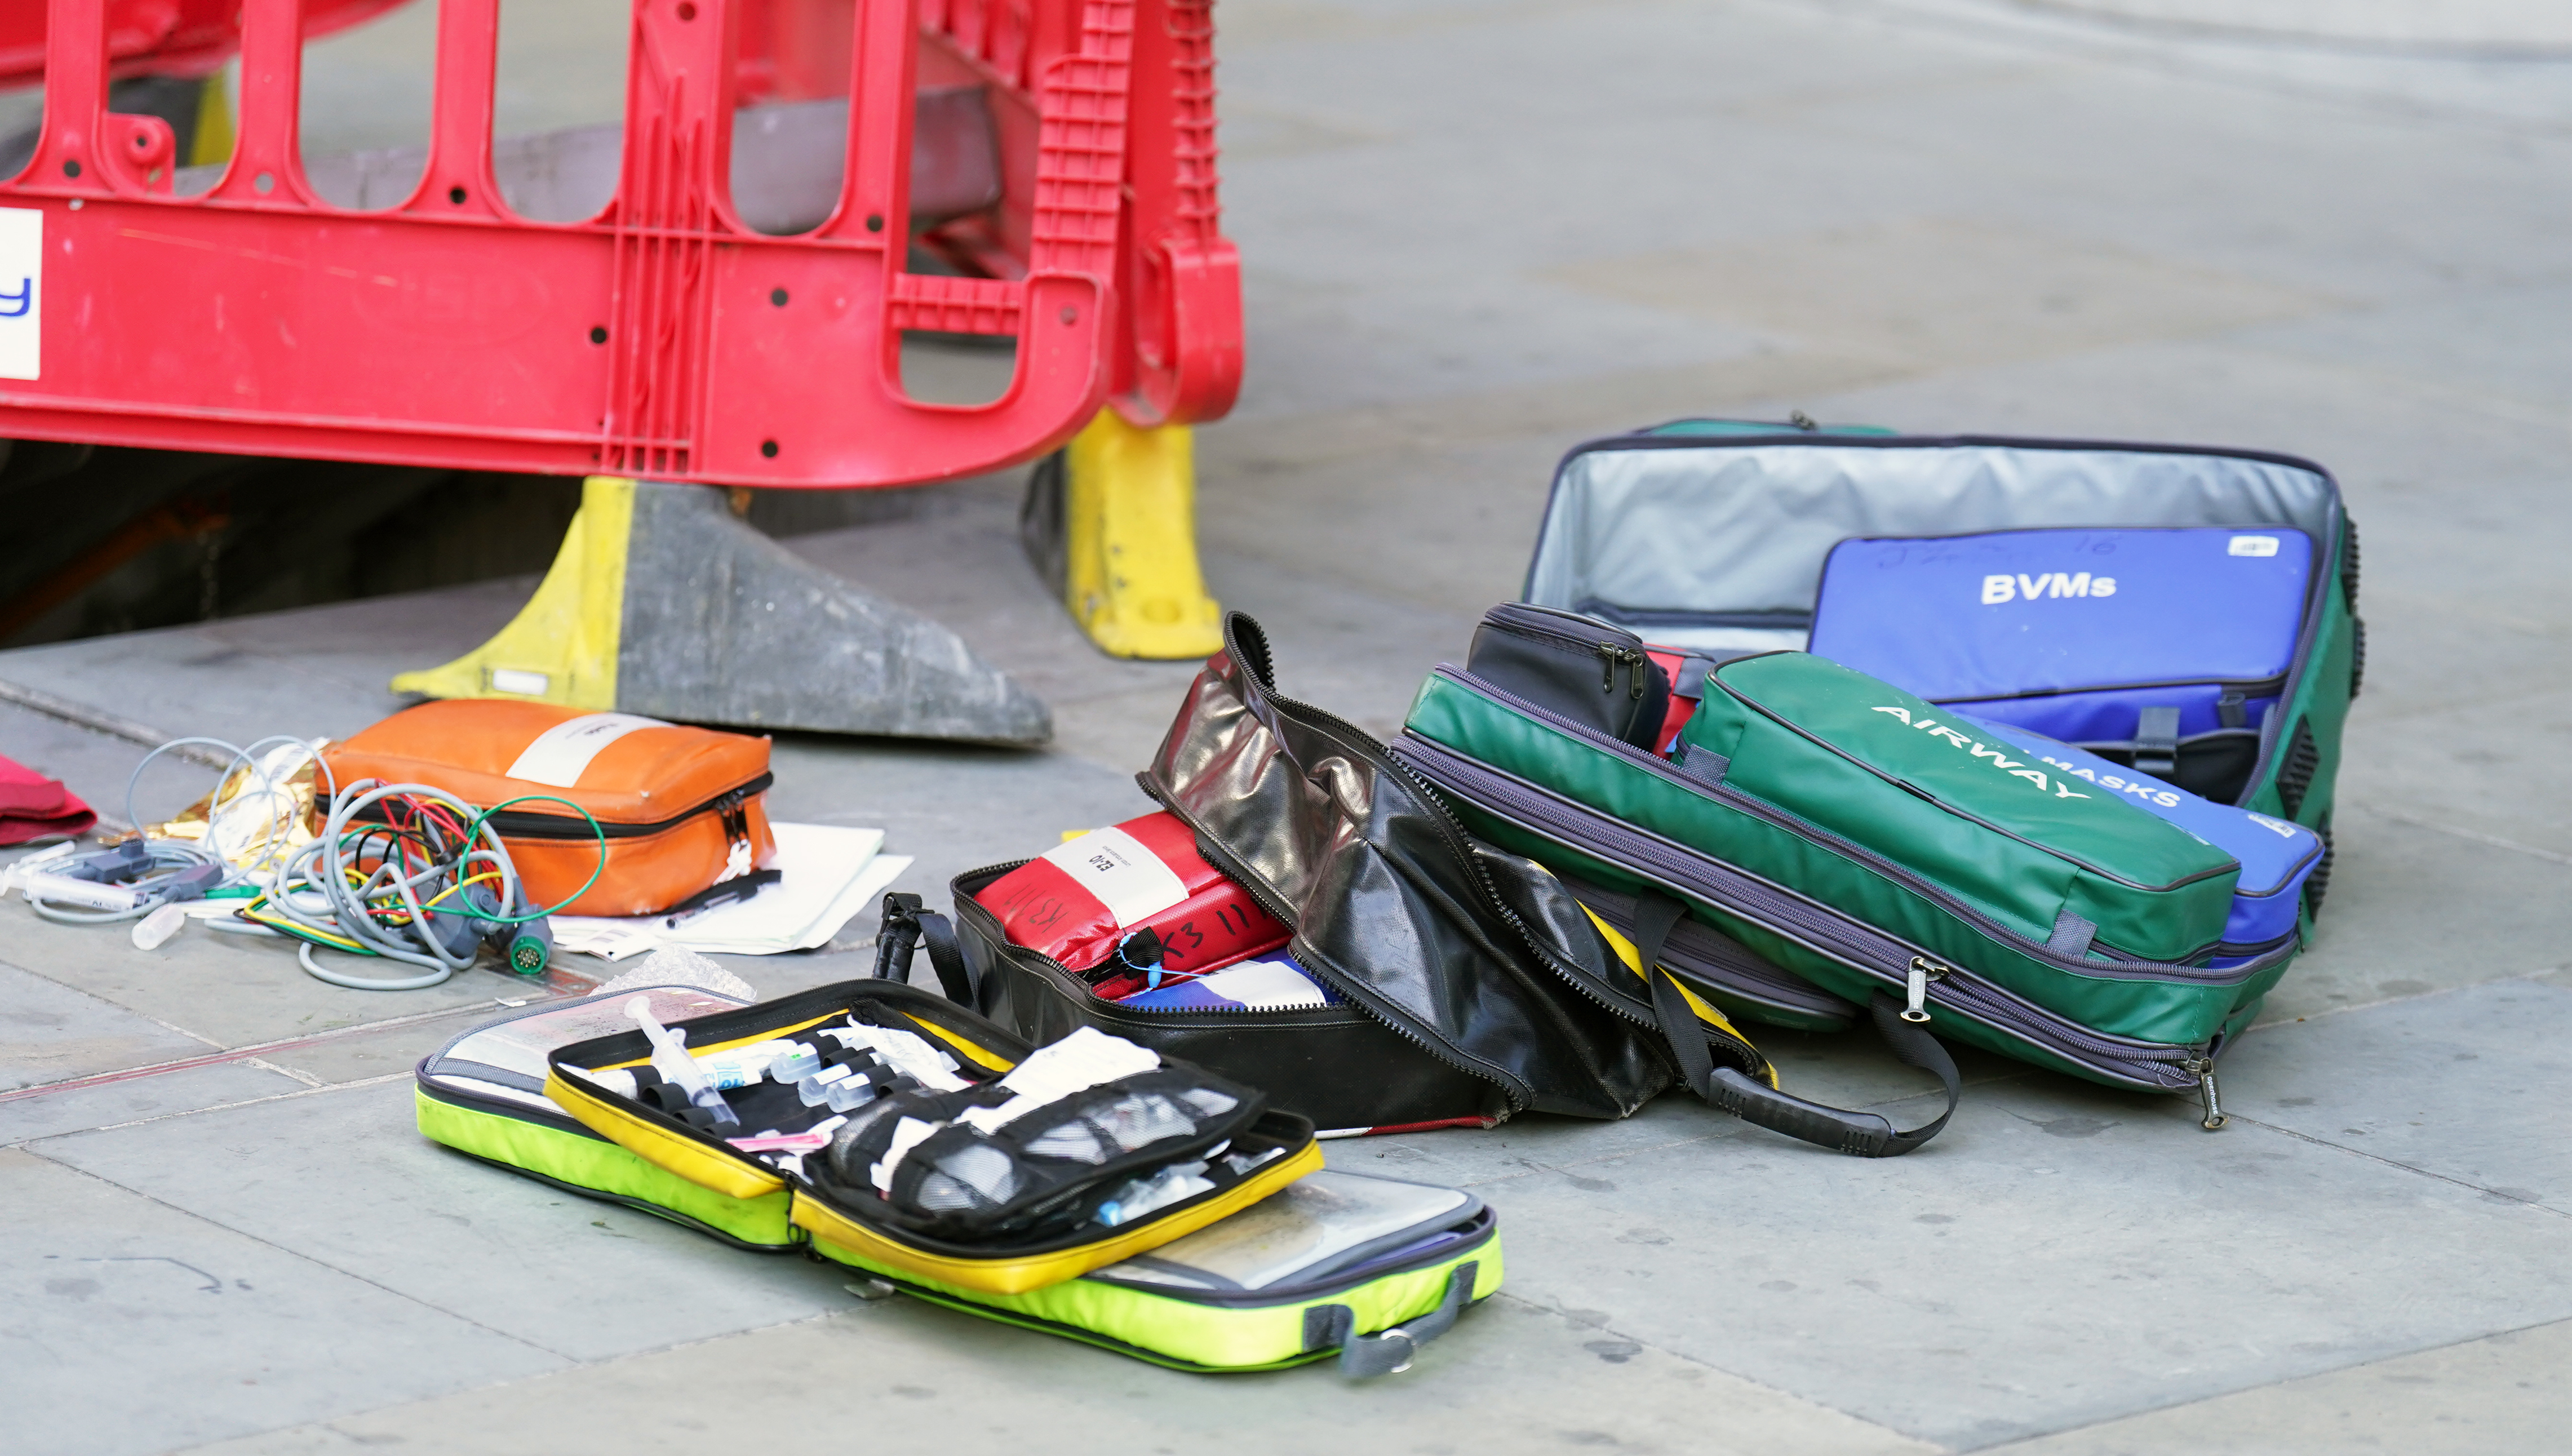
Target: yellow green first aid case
1281	1265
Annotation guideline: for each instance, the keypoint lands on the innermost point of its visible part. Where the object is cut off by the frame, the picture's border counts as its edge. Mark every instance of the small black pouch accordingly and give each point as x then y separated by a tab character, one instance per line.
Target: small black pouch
1596	674
1047	1169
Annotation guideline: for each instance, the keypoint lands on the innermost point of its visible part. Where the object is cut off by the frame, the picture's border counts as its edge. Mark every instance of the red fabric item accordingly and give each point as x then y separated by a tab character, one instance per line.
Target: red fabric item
33	806
1674	717
1152	868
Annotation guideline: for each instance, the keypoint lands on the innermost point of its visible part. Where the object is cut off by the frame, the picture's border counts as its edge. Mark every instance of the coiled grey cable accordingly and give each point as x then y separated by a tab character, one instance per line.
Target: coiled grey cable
165	860
325	871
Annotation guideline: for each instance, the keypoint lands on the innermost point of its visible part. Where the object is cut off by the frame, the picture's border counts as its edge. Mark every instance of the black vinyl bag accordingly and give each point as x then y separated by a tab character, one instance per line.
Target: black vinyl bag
1337	1066
1476	986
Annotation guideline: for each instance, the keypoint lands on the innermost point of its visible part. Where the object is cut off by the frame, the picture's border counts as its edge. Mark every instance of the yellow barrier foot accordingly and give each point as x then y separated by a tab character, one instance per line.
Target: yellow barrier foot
1110	524
662	603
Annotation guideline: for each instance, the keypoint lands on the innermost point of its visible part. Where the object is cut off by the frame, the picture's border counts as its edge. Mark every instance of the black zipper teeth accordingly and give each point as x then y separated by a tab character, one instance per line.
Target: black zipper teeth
1904	785
1519	1097
527	823
1458	843
1840	938
1614	653
1146	1012
1461	844
1587	639
1928	890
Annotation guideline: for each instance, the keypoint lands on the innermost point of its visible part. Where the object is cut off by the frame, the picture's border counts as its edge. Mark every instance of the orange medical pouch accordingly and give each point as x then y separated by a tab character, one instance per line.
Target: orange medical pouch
681	809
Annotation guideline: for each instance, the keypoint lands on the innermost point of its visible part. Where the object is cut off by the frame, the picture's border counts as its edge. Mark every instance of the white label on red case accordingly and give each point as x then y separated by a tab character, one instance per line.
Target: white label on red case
22	293
563	753
1114	868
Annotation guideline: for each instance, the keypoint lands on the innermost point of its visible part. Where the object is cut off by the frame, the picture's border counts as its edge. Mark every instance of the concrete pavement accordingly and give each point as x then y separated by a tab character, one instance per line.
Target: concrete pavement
1476	233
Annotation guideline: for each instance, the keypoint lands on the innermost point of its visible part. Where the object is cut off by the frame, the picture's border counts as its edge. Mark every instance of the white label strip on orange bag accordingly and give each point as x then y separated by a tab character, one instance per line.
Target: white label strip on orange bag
1113	866
563	753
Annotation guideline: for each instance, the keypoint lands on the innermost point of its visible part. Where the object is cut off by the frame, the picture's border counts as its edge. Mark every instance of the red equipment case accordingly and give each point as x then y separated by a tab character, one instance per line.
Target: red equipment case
663	338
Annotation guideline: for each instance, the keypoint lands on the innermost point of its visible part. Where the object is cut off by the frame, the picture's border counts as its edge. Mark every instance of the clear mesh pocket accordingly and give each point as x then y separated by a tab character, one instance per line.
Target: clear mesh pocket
1208	1102
983	1168
923	1158
1140	1119
974	1176
1075	1140
940	1194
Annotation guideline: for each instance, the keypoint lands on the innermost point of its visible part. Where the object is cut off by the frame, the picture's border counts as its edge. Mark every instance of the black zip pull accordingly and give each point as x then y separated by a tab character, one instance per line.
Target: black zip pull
2203	1068
1614	656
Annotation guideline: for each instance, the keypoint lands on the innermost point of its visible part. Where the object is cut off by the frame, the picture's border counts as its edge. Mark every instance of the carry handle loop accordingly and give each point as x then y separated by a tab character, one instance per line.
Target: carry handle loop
903	928
2157	742
1364	1356
1861	1134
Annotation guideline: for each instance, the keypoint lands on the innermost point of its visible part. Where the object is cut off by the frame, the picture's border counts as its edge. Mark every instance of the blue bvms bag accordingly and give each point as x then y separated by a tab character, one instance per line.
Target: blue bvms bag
2138	642
2277	856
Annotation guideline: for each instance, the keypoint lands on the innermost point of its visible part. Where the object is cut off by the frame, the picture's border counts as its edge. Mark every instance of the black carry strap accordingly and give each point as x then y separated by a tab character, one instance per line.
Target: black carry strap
2157	741
1865	1134
904	927
1363	1356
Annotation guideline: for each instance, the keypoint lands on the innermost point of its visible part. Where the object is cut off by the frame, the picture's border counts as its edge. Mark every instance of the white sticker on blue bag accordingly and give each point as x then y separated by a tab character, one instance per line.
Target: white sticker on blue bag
2254	546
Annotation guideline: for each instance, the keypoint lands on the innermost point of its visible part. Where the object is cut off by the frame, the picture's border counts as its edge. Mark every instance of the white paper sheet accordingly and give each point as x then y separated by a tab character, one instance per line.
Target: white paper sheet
830	874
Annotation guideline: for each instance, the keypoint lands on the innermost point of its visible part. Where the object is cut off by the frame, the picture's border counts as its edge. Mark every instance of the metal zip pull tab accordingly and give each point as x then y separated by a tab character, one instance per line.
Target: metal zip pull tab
734	814
2216	1116
1614	656
1923	971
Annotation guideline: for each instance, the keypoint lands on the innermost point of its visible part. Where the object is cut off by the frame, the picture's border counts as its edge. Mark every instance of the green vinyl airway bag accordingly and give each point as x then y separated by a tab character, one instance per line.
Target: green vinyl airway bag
1960	808
2277	856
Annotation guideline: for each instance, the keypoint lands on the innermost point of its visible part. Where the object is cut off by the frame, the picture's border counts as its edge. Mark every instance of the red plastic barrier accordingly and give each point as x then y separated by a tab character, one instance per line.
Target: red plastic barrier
663	338
163	37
